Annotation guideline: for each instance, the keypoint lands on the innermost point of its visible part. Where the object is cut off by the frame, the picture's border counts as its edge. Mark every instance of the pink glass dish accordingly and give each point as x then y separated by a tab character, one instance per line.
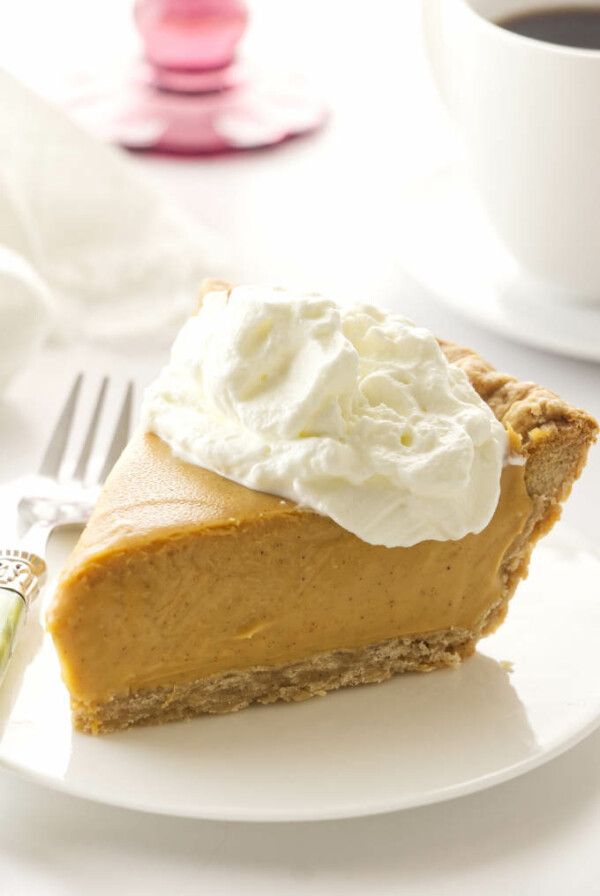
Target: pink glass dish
191	95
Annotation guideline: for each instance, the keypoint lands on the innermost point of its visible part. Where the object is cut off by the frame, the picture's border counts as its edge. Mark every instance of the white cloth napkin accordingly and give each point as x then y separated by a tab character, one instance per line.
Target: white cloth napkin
115	257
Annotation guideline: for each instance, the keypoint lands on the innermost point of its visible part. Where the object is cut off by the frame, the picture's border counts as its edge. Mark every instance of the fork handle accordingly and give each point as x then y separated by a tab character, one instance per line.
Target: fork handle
21	574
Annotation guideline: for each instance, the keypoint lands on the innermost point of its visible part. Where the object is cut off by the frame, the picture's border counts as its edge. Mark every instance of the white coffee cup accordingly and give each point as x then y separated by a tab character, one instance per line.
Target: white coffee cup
529	112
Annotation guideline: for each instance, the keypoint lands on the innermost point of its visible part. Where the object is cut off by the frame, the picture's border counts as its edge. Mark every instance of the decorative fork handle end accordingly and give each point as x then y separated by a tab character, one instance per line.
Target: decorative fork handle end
21	574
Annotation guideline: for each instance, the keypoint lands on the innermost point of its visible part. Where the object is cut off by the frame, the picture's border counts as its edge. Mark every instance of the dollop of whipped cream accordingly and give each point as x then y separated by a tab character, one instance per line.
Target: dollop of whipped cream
354	413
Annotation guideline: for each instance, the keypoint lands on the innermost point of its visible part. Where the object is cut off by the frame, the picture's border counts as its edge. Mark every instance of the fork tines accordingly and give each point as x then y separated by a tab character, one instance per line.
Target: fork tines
56	450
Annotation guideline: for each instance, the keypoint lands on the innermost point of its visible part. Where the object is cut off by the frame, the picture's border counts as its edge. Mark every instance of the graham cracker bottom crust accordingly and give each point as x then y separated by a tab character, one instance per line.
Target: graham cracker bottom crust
291	682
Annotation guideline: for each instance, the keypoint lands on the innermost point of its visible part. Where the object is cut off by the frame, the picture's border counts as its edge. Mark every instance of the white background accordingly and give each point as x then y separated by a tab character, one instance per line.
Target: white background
321	211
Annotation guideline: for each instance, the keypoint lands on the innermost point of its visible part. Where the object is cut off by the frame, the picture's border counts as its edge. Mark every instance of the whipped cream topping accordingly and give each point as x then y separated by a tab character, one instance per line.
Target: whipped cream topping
354	413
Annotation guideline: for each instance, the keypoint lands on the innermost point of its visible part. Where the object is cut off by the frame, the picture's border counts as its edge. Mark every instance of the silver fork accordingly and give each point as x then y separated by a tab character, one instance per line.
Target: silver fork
52	498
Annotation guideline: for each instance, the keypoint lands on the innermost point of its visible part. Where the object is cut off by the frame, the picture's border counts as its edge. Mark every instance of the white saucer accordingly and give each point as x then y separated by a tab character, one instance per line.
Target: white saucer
447	245
532	692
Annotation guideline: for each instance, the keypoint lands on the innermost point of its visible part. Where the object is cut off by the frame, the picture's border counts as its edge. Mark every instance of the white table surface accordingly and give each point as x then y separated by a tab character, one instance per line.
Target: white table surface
320	211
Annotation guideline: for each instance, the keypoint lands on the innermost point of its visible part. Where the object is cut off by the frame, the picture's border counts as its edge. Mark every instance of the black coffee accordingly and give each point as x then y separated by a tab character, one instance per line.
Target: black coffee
573	27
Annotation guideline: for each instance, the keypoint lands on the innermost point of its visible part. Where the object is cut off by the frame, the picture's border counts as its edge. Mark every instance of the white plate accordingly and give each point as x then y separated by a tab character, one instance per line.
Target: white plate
532	692
446	244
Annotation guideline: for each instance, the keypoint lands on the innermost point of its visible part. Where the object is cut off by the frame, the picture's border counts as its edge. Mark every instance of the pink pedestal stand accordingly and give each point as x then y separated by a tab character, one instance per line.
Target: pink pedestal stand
191	96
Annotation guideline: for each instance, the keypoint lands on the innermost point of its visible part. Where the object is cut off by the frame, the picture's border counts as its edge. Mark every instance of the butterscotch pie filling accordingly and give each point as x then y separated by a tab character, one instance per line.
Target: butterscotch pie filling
190	592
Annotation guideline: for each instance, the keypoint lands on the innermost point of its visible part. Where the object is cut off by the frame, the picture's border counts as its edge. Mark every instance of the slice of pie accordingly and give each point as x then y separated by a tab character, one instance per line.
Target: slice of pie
189	593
